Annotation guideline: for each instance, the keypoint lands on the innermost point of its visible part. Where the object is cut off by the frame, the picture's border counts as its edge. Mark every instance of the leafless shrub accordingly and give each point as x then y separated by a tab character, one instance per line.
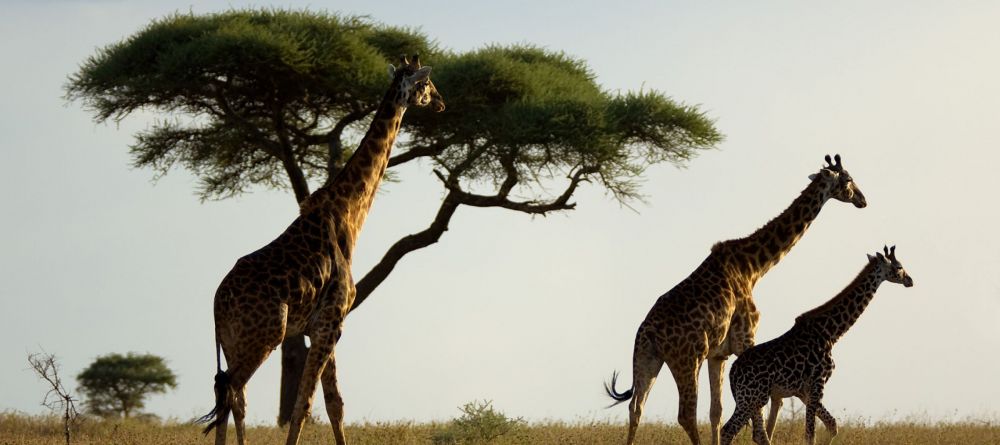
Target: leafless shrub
58	398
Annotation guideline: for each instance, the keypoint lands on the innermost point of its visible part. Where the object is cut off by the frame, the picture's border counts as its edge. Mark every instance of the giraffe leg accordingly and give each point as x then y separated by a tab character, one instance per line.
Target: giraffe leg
812	404
334	402
220	433
828	421
320	349
736	422
240	413
810	438
645	368
240	377
772	417
759	434
686	377
716	371
244	359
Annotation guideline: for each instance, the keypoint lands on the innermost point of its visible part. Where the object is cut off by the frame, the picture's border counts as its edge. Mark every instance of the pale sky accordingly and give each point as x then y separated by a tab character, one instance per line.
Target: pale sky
535	314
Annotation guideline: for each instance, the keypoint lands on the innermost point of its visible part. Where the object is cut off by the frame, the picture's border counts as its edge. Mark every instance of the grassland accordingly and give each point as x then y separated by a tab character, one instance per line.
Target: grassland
16	429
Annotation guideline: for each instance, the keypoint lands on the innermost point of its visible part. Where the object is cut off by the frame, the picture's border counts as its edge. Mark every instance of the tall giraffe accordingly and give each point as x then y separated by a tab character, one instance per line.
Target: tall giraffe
711	313
301	282
800	361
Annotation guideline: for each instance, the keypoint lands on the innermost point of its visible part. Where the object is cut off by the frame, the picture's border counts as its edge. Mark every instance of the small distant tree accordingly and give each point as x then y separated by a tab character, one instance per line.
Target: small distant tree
117	385
58	398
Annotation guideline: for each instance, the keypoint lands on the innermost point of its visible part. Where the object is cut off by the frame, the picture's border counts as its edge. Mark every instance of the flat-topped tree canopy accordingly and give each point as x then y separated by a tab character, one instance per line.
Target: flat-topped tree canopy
268	88
530	114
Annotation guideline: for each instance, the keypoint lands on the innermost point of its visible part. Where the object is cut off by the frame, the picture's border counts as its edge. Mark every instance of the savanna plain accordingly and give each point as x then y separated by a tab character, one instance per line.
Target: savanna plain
20	429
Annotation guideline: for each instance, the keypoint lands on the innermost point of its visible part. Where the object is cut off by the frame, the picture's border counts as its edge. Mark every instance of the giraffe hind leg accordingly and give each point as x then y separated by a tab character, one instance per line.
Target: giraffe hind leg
645	368
759	434
244	357
828	421
772	417
716	371
736	423
686	378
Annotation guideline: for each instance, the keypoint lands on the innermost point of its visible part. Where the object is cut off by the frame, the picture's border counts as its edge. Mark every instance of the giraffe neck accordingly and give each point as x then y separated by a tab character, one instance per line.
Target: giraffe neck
768	245
835	317
349	195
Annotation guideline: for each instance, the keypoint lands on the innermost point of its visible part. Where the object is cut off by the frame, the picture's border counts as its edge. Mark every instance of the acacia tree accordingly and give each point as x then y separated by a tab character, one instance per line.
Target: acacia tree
118	384
271	96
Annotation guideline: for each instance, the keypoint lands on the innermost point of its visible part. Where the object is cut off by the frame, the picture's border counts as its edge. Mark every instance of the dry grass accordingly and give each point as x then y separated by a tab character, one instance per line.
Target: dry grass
16	429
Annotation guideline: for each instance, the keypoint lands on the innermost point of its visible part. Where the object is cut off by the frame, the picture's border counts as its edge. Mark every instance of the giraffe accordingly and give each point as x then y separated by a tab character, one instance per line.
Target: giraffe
711	314
301	281
800	361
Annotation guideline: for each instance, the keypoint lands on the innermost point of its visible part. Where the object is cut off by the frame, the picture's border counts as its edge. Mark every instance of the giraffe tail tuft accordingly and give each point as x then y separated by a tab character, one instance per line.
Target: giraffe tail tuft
219	415
610	389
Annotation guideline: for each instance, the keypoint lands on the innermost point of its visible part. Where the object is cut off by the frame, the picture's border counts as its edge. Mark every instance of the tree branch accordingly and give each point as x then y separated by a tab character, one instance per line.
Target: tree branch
501	198
456	197
420	151
405	245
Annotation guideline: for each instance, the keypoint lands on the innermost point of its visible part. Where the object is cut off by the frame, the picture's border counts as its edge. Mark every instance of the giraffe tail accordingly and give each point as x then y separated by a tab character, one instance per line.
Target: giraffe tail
219	415
610	389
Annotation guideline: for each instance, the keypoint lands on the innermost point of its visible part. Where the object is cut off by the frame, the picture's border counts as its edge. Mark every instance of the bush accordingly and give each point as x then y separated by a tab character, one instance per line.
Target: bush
479	423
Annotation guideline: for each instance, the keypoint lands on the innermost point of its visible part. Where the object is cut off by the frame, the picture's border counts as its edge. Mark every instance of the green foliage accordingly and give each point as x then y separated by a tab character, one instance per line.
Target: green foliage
118	384
479	423
262	86
533	114
269	93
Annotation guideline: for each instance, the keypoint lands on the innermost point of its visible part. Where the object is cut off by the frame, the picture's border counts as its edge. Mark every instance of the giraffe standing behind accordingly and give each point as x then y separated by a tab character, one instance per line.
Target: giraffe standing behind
800	361
711	314
301	281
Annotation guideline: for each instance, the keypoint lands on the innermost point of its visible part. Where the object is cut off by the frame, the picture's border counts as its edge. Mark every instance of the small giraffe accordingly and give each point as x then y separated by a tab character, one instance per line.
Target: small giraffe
301	282
800	361
711	313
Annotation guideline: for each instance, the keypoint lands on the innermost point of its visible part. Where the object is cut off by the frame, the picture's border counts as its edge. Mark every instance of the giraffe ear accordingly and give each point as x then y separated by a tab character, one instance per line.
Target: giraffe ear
871	257
421	74
392	71
880	256
812	177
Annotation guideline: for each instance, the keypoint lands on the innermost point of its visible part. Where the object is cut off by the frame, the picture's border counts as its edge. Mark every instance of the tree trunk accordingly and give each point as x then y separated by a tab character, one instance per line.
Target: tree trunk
66	417
293	361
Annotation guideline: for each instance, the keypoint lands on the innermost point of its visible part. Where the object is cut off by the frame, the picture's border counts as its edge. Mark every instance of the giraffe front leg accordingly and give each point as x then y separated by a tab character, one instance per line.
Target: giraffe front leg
334	401
716	371
319	353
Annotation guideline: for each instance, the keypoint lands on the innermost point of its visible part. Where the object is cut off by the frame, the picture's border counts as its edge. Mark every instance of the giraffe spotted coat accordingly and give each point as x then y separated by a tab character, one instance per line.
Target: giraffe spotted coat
800	361
711	314
301	281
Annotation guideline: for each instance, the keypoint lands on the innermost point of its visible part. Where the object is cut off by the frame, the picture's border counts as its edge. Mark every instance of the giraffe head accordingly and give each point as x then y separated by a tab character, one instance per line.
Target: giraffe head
415	86
840	183
889	268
